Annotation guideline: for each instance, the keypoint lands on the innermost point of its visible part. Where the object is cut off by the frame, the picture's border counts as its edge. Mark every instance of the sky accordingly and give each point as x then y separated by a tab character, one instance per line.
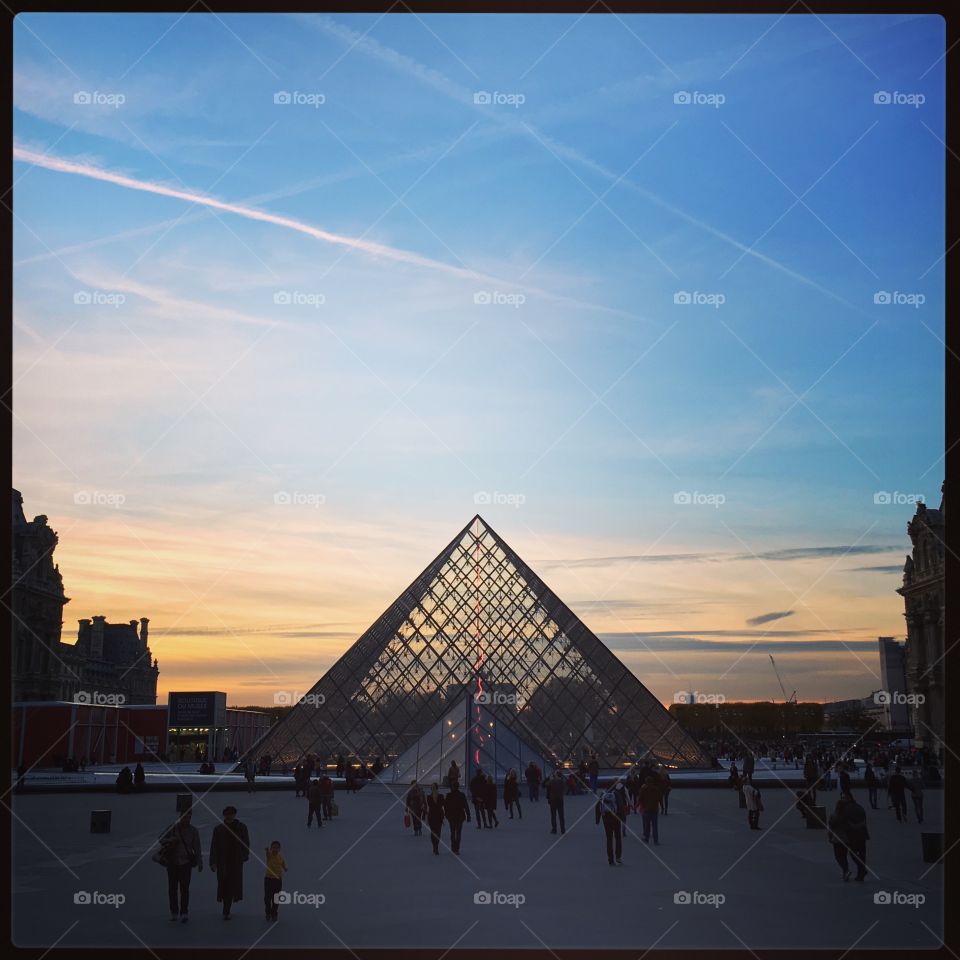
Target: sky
660	297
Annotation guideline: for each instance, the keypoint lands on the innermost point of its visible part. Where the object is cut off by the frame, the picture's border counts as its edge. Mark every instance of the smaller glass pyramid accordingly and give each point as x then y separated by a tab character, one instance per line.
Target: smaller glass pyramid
473	735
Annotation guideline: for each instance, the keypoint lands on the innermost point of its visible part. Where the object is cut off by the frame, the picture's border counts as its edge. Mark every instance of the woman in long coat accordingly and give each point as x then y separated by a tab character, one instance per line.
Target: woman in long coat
229	851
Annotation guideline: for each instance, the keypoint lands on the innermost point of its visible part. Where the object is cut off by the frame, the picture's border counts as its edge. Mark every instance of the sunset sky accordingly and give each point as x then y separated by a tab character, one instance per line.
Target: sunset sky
293	302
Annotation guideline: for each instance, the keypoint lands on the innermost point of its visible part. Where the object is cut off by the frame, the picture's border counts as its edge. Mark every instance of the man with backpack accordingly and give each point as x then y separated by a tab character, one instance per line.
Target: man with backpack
611	809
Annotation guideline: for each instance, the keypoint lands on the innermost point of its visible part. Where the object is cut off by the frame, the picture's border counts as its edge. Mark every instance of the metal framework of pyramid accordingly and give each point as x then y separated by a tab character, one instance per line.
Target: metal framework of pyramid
479	622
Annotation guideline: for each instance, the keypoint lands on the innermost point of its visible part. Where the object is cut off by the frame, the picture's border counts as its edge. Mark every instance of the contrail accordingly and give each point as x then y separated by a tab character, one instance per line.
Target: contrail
61	165
251	213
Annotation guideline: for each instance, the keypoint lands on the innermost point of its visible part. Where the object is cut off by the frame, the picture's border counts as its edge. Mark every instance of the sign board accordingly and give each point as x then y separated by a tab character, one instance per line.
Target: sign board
204	709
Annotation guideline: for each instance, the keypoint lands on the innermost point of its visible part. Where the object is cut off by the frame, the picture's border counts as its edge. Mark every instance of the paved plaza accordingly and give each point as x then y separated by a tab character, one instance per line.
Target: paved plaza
365	881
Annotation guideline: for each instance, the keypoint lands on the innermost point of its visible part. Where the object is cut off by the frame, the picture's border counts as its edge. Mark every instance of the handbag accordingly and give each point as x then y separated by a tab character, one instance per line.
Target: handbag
334	810
406	820
162	856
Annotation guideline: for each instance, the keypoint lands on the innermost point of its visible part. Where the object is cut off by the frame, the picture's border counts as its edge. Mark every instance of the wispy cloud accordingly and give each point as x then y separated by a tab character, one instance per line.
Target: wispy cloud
786	553
769	617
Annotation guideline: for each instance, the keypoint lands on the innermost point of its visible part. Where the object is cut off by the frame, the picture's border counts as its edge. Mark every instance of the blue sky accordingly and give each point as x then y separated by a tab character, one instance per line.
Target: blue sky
389	399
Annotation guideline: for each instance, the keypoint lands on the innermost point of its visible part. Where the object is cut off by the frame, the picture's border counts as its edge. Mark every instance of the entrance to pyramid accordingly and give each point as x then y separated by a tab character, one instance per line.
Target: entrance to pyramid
478	660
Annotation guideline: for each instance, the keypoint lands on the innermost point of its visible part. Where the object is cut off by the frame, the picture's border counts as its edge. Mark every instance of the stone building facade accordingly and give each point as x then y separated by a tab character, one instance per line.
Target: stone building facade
923	593
110	662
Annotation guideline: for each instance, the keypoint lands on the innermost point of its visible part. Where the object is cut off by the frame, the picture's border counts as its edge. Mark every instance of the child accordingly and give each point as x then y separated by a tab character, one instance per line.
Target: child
272	879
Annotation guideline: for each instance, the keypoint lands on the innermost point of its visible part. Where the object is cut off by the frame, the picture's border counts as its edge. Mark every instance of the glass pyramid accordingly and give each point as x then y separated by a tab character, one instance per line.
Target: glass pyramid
479	622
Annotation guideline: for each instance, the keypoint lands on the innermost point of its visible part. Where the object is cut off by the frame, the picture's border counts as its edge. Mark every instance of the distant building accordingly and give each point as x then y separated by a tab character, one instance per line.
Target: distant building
893	676
110	663
923	596
869	709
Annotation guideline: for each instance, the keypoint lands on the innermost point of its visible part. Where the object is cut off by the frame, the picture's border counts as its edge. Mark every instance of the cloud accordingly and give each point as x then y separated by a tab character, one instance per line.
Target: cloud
784	553
807	553
769	617
893	568
681	643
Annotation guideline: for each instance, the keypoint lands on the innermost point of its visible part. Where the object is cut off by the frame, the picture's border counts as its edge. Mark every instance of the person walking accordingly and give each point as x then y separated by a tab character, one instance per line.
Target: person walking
229	851
843	776
435	815
533	781
478	786
916	792
810	775
326	795
453	775
897	794
276	866
593	768
250	774
511	794
848	834
555	792
649	797
301	777
315	803
665	788
181	848
490	800
456	810
414	806
872	781
754	804
610	810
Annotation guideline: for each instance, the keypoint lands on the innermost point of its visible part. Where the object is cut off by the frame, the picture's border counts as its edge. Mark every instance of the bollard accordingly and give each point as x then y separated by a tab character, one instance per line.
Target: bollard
932	844
184	802
99	821
817	818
